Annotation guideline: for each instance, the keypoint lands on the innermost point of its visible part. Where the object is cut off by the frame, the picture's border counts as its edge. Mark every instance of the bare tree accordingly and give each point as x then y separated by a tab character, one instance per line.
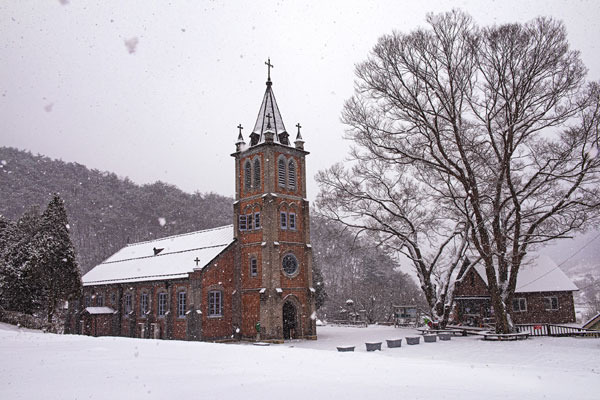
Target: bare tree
494	127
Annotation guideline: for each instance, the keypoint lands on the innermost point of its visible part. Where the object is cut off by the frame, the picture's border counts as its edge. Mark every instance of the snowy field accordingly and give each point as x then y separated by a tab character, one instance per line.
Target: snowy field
35	365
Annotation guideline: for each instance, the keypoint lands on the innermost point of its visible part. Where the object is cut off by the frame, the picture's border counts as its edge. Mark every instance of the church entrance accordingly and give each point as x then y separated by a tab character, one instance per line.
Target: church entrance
289	321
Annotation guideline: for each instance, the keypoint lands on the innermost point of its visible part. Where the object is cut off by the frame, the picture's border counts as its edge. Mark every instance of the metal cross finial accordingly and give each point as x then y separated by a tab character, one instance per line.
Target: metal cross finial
197	260
240	127
269	66
298	126
269	121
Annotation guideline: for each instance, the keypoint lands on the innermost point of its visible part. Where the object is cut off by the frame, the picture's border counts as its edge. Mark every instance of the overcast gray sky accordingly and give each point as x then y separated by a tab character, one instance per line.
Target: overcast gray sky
155	90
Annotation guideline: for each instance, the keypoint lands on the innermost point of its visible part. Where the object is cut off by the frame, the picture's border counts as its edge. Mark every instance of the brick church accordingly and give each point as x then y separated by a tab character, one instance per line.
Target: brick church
248	280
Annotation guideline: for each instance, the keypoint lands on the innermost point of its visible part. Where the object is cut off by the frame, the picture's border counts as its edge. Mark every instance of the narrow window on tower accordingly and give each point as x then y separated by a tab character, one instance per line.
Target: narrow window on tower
281	172
256	220
292	221
243	225
253	266
247	175
257	174
283	218
249	221
292	175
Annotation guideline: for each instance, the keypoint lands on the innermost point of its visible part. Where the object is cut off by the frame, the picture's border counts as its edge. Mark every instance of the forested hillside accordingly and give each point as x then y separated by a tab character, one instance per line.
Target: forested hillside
105	212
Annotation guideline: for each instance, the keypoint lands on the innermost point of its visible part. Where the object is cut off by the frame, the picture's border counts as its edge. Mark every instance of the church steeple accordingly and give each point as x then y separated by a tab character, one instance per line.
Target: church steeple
269	117
272	228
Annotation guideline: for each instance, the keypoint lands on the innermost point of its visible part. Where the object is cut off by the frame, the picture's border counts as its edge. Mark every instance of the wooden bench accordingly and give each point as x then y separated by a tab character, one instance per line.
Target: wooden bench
343	349
504	336
455	332
372	346
391	343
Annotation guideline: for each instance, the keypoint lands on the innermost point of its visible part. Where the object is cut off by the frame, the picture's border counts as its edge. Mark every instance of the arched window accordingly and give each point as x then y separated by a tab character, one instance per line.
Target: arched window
281	172
292	175
256	174
247	175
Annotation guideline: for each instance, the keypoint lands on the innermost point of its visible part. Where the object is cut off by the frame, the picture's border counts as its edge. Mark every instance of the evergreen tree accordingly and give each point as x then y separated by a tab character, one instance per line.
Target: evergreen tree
54	258
20	287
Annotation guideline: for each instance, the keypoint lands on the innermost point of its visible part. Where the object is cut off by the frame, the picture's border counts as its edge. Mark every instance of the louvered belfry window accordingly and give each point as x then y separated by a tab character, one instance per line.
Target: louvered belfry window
292	175
257	173
281	172
247	175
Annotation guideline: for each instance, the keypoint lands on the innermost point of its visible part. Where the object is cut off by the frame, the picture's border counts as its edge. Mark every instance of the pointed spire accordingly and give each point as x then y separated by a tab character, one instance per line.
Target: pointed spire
240	138
239	144
299	141
269	117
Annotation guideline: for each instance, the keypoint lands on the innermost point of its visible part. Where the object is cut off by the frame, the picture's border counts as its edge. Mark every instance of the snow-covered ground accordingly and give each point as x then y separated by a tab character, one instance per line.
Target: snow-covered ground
35	365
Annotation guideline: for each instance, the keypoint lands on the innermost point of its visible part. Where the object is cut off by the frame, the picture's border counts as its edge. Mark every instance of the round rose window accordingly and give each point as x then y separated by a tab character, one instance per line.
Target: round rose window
290	264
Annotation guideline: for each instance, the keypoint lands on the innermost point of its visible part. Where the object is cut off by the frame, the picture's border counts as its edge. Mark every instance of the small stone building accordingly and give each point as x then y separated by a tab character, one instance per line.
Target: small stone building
543	294
229	282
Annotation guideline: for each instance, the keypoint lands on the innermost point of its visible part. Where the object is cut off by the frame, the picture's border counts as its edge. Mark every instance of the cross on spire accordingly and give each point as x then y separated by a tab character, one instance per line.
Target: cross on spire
197	260
298	126
269	121
269	66
240	127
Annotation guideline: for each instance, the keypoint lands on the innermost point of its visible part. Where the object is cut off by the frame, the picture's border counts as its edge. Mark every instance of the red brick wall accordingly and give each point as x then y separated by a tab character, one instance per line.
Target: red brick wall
218	276
536	312
251	313
471	285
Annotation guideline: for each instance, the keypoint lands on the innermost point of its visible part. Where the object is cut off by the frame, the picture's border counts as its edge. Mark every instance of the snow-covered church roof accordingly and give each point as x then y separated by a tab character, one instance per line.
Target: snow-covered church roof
171	257
539	275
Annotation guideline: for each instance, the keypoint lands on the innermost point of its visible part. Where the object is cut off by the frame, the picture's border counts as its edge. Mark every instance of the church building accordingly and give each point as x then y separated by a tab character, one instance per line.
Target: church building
249	280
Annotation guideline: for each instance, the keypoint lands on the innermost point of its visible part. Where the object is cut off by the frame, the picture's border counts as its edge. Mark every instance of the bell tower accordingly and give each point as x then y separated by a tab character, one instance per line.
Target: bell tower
272	228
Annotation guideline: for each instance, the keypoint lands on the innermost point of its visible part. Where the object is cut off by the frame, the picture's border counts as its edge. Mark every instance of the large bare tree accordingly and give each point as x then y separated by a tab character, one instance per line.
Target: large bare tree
491	131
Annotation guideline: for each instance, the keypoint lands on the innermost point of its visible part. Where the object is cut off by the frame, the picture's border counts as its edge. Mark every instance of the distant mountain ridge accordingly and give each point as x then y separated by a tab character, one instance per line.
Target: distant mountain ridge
105	212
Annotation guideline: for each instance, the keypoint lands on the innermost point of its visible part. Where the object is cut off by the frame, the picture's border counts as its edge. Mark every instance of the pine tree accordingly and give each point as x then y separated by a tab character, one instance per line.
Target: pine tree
54	258
20	288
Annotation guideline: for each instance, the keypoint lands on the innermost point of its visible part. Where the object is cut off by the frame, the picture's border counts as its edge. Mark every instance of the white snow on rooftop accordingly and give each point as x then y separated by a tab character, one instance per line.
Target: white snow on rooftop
539	275
137	262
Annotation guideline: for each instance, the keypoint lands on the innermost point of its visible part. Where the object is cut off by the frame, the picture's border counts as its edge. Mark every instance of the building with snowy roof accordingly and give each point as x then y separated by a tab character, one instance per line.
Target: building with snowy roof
543	294
235	281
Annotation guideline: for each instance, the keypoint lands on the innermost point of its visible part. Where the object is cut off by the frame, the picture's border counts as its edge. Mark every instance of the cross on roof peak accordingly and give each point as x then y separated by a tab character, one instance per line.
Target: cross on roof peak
269	66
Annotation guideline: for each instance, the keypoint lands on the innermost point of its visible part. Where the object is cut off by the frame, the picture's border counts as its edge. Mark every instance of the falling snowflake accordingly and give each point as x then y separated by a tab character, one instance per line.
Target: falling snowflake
67	226
131	44
313	316
162	221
